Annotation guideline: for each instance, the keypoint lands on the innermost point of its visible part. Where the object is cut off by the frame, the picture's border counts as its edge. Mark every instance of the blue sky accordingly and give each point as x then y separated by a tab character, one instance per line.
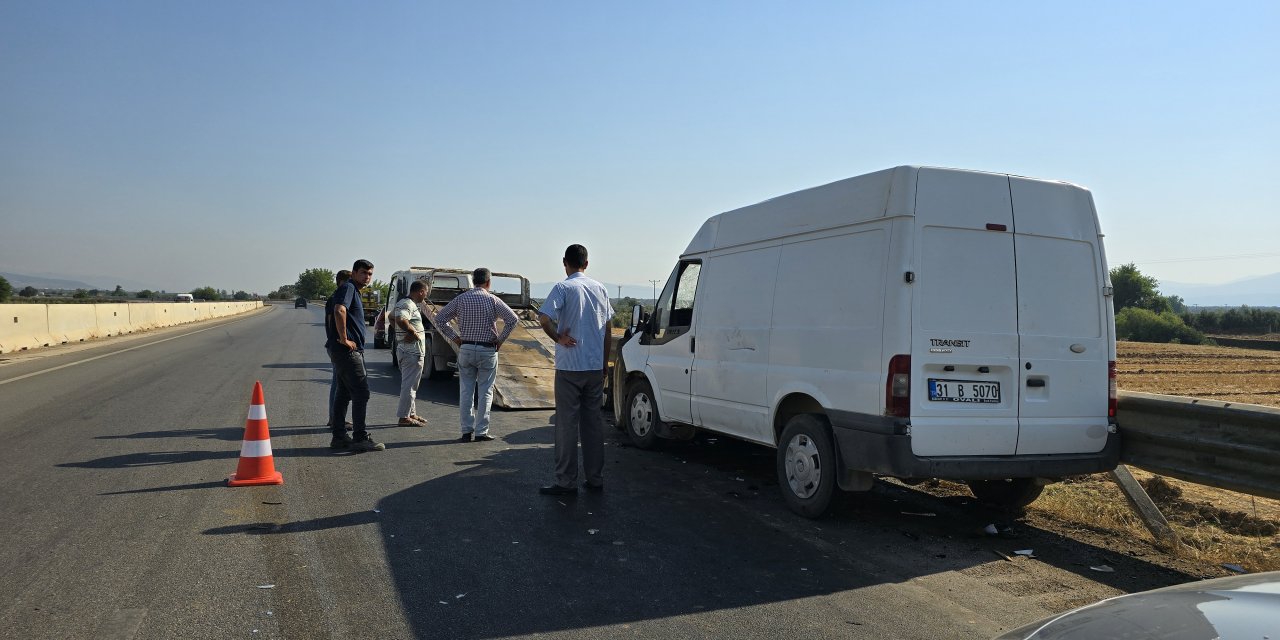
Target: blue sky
234	144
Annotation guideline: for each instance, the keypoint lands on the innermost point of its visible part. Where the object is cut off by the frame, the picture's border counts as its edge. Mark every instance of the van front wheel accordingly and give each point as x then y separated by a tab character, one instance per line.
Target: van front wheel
641	415
807	465
1013	492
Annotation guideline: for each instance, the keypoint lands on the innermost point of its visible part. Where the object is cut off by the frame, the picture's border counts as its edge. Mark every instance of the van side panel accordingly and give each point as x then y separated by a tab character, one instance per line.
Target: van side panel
827	314
731	355
1062	320
964	322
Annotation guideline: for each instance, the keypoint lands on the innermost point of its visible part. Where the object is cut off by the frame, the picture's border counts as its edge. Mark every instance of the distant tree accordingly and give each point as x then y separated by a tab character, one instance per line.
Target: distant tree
120	292
80	294
1144	325
28	292
146	294
1133	289
95	292
241	295
315	283
285	292
1176	304
205	293
6	289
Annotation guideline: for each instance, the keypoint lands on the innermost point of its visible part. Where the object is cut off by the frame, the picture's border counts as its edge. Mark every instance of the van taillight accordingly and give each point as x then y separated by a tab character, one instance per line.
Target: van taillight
897	388
1111	389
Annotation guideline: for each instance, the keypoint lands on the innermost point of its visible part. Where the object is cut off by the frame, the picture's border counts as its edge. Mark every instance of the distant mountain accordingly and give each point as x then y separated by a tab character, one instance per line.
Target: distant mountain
19	281
640	292
62	281
1258	291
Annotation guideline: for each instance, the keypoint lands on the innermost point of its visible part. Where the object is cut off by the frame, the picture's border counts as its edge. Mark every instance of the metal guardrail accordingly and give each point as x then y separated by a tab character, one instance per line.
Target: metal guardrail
1220	444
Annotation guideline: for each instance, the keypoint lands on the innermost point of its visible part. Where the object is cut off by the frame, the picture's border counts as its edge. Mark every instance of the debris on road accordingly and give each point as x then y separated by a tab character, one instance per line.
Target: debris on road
266	586
1030	553
1103	568
593	531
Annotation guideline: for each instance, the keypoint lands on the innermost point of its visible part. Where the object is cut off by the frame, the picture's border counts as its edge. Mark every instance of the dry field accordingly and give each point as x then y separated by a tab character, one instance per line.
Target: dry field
1217	526
1225	374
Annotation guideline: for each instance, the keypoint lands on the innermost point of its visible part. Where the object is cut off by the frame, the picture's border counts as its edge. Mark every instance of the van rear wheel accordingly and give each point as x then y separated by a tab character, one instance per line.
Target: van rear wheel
807	465
1011	492
641	415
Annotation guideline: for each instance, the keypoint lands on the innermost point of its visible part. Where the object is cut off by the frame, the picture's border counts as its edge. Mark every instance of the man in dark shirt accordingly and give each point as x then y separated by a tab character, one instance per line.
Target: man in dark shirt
345	345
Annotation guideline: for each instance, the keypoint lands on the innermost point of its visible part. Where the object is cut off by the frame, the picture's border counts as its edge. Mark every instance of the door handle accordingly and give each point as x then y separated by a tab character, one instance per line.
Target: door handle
1035	382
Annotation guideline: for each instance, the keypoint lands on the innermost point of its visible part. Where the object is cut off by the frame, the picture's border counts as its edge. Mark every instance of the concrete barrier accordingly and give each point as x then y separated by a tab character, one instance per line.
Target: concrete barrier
24	326
184	312
72	322
112	319
142	316
164	314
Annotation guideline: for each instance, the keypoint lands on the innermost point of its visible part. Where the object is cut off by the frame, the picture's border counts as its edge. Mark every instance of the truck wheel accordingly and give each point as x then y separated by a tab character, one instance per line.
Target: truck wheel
1012	492
429	370
807	465
391	341
641	415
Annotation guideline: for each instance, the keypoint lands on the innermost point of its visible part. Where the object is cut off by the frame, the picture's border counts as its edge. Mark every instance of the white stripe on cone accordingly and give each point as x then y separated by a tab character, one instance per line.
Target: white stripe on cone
257	412
255	448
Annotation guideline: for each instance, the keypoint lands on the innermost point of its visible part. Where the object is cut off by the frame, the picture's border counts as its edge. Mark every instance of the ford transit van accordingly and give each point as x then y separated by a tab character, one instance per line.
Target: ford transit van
915	323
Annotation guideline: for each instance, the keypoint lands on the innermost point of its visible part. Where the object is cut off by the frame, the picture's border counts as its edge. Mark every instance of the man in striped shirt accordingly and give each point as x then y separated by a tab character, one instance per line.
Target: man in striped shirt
477	311
576	315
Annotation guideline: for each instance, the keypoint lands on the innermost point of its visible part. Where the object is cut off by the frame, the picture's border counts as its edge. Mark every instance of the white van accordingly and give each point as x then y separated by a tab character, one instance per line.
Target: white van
916	322
184	297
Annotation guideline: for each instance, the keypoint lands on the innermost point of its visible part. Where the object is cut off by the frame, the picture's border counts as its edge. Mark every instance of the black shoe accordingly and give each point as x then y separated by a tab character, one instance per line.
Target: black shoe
557	490
593	488
340	442
466	437
367	444
484	438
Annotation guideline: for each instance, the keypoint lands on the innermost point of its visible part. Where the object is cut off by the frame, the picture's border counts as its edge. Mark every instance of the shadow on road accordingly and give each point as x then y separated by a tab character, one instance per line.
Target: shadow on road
695	528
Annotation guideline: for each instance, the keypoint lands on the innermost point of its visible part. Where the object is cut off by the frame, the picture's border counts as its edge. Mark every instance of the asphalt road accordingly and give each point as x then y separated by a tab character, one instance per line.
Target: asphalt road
118	523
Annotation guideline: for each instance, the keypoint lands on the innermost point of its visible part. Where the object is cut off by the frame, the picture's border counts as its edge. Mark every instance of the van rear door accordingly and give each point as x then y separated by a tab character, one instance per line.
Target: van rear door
964	335
1061	319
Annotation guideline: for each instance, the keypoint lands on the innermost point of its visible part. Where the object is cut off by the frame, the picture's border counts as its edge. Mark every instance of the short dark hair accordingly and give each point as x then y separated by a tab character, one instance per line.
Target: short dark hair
480	276
417	285
361	264
576	256
342	276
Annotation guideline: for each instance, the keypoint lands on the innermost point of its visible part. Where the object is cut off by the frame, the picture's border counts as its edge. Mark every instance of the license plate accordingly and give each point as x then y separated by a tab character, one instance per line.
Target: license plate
964	391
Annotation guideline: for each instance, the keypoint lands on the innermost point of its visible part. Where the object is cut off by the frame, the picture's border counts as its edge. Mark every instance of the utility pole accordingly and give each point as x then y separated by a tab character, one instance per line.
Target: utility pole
655	291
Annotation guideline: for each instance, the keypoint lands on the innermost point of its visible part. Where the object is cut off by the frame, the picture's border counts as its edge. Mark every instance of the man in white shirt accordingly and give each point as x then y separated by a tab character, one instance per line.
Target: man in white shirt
410	350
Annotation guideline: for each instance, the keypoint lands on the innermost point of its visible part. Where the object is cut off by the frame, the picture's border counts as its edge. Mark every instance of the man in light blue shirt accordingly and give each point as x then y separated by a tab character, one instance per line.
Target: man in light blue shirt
576	315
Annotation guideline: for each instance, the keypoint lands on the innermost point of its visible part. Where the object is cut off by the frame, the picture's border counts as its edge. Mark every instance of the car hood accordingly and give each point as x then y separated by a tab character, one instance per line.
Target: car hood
1230	608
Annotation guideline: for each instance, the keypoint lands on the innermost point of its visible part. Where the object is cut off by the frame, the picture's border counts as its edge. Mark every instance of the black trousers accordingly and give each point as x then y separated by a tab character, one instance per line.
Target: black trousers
353	389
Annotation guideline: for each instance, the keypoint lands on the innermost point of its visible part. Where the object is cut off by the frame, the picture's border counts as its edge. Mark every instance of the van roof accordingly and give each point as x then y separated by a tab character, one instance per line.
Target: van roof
886	193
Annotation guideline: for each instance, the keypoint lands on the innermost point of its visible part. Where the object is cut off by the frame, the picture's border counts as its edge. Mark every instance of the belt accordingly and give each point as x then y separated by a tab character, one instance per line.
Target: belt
477	343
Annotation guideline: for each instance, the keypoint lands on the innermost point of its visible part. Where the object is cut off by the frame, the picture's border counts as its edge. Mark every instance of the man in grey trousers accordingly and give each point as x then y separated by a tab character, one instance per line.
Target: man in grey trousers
576	315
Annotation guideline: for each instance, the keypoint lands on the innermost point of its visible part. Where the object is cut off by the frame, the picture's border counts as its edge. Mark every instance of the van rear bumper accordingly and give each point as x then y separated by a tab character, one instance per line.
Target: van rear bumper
878	445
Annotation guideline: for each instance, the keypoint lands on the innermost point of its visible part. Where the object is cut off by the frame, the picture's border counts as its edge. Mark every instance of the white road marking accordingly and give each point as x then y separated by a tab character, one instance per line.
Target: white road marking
105	355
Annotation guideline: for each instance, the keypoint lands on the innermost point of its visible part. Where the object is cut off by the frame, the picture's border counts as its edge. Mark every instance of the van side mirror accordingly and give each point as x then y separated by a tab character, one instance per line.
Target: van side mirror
638	318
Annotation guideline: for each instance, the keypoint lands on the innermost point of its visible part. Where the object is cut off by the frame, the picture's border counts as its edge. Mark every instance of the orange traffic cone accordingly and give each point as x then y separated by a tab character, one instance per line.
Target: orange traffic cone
257	466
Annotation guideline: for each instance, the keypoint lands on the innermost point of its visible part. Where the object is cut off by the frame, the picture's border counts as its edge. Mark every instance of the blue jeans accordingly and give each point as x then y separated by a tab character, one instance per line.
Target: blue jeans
477	369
